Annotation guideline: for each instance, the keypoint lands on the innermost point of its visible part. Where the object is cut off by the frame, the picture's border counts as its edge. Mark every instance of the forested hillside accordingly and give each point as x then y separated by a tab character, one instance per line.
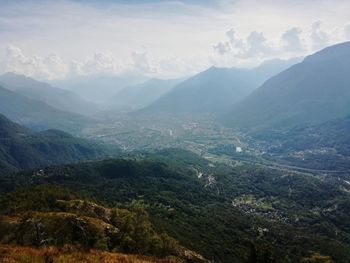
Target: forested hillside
224	214
21	148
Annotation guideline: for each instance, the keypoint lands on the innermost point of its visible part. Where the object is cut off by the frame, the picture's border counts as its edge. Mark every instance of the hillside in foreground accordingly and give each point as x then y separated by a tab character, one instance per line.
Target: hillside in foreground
226	214
47	216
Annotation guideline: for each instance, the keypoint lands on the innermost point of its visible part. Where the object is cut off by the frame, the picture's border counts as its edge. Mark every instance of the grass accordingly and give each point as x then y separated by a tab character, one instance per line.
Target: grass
68	254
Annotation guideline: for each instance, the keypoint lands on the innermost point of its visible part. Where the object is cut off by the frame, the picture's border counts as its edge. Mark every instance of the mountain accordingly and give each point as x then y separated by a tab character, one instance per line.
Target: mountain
313	91
55	97
143	94
37	114
21	148
99	89
215	90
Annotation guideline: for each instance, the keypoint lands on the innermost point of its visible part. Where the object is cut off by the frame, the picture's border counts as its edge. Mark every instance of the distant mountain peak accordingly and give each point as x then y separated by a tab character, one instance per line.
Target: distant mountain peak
15	80
214	90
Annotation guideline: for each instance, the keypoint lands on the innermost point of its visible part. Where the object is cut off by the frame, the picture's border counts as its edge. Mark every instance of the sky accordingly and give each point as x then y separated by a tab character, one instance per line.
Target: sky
162	38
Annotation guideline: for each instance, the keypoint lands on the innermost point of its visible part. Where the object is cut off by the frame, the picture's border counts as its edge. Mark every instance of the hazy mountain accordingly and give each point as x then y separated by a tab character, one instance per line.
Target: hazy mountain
99	89
216	89
21	148
56	97
37	114
143	94
316	90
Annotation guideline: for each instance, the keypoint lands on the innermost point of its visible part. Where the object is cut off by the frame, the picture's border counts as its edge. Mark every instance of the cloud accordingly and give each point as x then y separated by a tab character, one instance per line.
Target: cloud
291	40
222	47
142	63
235	42
100	63
43	67
320	38
255	45
54	67
68	37
231	45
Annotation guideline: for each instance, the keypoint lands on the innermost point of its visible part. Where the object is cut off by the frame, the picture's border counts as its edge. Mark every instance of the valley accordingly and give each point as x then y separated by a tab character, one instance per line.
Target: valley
144	131
209	139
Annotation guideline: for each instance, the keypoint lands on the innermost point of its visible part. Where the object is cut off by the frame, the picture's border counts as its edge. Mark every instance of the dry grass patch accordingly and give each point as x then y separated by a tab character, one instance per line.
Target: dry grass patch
17	254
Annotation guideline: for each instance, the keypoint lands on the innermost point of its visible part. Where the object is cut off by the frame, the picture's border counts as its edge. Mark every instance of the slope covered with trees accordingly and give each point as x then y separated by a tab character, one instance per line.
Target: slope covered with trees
226	214
21	148
51	216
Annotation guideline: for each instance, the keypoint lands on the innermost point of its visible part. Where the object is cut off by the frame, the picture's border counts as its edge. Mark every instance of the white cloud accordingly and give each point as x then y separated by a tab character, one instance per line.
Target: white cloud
142	63
235	42
291	40
256	45
222	47
320	38
236	51
101	63
53	67
46	67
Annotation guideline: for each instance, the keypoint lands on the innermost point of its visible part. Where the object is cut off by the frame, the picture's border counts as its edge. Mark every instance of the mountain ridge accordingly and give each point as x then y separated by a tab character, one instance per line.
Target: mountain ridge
214	90
315	90
37	114
58	98
21	148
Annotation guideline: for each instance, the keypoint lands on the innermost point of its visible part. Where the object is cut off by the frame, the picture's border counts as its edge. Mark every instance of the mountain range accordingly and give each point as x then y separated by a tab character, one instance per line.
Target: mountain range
313	91
99	89
58	98
37	114
213	91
